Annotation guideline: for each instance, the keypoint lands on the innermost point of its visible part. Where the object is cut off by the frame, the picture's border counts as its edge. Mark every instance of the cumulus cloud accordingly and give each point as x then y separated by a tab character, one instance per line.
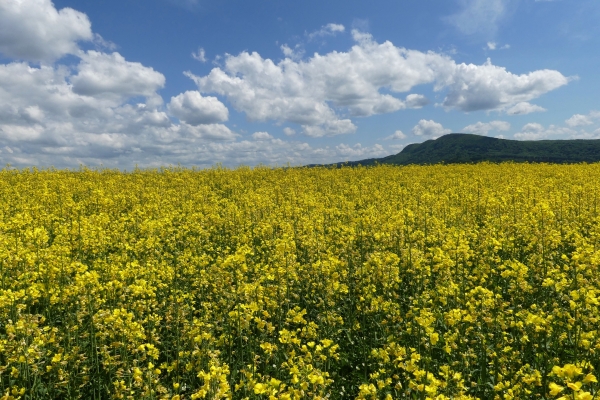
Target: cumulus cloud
483	128
322	92
326	30
429	128
111	75
579	120
396	136
44	122
194	109
34	30
479	16
523	108
489	87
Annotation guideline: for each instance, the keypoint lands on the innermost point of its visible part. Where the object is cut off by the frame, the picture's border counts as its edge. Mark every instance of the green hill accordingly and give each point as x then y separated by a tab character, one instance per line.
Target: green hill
467	148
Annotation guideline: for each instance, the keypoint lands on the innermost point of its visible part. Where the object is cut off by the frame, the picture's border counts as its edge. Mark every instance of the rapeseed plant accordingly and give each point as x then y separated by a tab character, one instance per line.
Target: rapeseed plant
437	282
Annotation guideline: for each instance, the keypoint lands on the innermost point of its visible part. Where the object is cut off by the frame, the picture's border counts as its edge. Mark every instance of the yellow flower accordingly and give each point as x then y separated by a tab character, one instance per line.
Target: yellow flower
584	396
555	389
260	388
589	378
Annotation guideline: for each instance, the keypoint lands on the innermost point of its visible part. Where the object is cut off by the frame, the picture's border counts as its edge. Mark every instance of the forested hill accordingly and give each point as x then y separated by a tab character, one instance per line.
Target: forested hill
466	148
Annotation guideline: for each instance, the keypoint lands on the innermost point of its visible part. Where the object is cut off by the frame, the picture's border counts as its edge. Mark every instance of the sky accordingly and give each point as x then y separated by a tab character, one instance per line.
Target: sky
150	83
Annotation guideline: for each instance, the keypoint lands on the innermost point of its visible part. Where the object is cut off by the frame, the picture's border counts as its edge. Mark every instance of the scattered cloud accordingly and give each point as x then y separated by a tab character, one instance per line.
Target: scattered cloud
396	136
322	93
326	30
199	55
34	30
194	109
483	128
491	45
429	128
523	108
107	109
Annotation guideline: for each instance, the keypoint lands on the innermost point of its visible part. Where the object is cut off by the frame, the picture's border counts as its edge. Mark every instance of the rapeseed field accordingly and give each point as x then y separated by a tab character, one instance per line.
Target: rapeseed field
421	282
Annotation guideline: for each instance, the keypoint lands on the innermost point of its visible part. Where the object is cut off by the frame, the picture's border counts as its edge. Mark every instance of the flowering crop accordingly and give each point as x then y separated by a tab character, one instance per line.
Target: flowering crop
436	282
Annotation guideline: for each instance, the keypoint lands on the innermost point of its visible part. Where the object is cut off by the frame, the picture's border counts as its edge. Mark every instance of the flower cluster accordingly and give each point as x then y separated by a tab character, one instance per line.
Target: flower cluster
433	282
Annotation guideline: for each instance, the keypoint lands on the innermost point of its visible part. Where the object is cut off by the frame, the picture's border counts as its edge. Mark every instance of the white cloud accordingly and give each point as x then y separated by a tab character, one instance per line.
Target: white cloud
34	30
289	131
494	46
209	132
261	136
579	120
483	128
315	93
479	16
396	136
536	131
194	109
326	30
200	55
44	122
523	108
295	54
357	150
416	101
335	127
429	128
489	87
111	75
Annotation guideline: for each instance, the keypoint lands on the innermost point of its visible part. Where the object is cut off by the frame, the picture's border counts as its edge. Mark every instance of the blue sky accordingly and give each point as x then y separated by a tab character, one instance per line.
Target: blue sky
196	82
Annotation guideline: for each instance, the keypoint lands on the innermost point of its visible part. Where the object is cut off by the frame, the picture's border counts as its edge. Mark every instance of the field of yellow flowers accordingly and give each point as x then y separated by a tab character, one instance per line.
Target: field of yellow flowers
433	282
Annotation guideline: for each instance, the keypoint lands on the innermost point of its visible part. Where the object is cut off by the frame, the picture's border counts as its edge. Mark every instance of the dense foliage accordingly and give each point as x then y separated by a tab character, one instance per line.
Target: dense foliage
442	282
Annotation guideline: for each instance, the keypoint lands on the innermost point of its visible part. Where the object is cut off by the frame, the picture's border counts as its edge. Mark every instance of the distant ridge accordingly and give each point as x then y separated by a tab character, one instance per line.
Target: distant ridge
467	148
